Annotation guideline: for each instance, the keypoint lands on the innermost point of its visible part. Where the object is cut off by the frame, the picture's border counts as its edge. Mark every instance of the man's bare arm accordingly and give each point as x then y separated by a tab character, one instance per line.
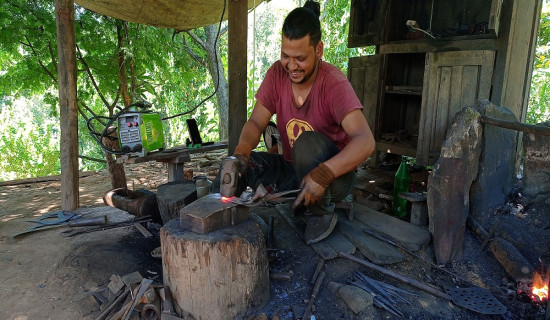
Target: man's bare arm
255	125
360	147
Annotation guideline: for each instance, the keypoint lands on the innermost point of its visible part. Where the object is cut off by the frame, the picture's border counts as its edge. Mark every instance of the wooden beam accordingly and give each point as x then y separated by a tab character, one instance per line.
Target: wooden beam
237	37
66	72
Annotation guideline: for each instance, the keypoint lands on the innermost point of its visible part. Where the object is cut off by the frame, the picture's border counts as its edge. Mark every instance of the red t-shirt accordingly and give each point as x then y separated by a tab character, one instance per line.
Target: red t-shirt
328	101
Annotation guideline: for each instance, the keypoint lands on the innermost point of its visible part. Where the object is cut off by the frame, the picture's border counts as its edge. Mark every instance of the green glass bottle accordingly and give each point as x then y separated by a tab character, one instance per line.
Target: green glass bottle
401	184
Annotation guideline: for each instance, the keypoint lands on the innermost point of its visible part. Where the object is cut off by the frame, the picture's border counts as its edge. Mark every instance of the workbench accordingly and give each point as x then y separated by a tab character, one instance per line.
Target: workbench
175	157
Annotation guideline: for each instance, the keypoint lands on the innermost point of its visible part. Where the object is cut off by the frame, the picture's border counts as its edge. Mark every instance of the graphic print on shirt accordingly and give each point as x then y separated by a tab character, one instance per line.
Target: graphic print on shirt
294	128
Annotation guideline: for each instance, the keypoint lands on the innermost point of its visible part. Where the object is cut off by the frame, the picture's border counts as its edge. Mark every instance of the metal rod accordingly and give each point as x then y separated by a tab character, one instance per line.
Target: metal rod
377	299
374	286
381	238
397	276
396	289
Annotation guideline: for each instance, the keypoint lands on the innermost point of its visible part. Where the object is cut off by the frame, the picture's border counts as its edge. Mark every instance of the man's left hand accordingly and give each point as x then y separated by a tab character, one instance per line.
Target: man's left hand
311	193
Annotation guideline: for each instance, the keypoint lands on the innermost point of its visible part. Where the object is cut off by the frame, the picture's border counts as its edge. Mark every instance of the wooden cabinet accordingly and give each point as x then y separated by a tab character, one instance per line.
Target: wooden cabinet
419	79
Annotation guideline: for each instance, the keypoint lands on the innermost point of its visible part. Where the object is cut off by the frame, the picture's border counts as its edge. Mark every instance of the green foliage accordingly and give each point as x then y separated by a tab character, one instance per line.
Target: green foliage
335	17
31	146
165	75
539	110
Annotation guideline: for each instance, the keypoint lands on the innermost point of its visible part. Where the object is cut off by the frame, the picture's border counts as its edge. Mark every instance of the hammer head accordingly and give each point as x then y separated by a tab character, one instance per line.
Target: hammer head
229	175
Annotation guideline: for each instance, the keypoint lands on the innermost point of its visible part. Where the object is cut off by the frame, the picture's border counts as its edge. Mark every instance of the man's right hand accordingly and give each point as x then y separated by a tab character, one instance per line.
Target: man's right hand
242	163
242	153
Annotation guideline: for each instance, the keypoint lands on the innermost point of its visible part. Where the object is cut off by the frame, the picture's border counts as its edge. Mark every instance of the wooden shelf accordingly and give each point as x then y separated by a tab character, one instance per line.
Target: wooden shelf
420	46
396	148
404	90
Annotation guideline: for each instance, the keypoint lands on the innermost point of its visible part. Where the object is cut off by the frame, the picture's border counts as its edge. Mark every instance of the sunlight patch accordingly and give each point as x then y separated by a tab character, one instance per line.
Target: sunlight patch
10	217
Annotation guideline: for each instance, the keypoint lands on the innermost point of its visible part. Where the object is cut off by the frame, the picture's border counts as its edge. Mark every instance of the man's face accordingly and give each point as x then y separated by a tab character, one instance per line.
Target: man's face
300	58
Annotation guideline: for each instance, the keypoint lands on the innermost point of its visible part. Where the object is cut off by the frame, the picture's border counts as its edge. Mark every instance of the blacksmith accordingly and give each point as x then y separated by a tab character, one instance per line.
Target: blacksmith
323	131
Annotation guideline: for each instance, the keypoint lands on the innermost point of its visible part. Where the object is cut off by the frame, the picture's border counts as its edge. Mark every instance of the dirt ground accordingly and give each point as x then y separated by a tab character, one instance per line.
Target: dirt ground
43	274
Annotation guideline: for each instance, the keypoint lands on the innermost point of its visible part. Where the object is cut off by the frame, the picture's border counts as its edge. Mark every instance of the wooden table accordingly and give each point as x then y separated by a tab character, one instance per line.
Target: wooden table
175	157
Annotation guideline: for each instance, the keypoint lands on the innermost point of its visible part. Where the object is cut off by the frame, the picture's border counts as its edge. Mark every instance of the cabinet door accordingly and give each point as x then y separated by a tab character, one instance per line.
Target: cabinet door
363	73
367	18
452	81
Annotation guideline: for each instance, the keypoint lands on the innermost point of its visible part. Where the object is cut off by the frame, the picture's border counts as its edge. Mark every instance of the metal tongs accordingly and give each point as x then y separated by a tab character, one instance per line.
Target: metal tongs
262	196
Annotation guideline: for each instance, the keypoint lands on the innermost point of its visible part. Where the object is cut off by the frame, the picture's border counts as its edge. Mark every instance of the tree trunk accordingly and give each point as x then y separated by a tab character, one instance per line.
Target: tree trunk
116	170
214	61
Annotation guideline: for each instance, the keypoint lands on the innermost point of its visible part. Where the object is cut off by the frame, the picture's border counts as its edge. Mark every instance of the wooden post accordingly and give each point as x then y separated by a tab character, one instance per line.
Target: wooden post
237	37
66	78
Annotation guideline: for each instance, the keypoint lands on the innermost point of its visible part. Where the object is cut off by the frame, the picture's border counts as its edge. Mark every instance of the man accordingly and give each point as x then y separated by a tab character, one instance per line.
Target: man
324	133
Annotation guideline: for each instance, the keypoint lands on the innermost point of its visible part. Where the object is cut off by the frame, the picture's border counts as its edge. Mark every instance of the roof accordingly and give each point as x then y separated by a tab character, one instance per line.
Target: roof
173	14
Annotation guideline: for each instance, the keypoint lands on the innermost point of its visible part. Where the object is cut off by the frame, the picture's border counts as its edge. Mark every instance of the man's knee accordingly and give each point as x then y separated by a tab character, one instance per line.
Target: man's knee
310	149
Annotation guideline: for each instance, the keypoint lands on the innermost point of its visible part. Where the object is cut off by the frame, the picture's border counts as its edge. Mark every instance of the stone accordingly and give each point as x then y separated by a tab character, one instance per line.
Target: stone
536	167
356	298
410	236
449	184
497	162
373	249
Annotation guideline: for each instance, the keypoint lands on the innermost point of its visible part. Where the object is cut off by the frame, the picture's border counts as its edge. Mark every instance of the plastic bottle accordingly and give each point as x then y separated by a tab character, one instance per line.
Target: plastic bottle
401	184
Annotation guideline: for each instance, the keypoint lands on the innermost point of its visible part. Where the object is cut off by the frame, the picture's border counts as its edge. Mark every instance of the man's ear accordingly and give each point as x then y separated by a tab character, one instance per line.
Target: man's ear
319	50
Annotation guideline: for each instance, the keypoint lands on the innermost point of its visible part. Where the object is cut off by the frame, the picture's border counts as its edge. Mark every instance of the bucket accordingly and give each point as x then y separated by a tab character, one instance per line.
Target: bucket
203	186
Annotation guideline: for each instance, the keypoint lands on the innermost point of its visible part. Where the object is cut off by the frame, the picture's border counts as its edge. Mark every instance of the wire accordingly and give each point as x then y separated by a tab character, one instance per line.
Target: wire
426	32
217	71
106	133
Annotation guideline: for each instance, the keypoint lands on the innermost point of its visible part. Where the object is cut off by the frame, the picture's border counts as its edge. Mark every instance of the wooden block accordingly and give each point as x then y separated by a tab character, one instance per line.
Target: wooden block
173	196
515	264
143	230
115	284
220	275
419	214
132	278
86	303
419	208
211	213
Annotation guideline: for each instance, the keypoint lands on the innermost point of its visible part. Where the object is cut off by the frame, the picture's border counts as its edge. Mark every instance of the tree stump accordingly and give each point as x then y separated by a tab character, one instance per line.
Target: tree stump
173	196
219	275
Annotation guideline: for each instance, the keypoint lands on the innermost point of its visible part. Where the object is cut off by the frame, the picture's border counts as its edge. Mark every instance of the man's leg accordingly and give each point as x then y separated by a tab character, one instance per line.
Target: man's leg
311	149
271	170
268	169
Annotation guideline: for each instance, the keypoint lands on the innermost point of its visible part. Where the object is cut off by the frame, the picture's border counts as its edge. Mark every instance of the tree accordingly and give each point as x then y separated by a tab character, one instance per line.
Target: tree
118	62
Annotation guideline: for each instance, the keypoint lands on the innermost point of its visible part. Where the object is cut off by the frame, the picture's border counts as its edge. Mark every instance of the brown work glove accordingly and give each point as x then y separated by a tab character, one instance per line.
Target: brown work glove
242	153
314	185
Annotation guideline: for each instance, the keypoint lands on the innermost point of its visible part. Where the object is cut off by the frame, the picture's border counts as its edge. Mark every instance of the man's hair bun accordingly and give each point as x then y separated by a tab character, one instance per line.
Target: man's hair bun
313	6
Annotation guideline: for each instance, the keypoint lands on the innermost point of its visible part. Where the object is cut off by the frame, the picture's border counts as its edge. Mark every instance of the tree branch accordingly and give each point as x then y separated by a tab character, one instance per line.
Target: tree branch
122	67
52	55
29	44
89	72
197	39
194	55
